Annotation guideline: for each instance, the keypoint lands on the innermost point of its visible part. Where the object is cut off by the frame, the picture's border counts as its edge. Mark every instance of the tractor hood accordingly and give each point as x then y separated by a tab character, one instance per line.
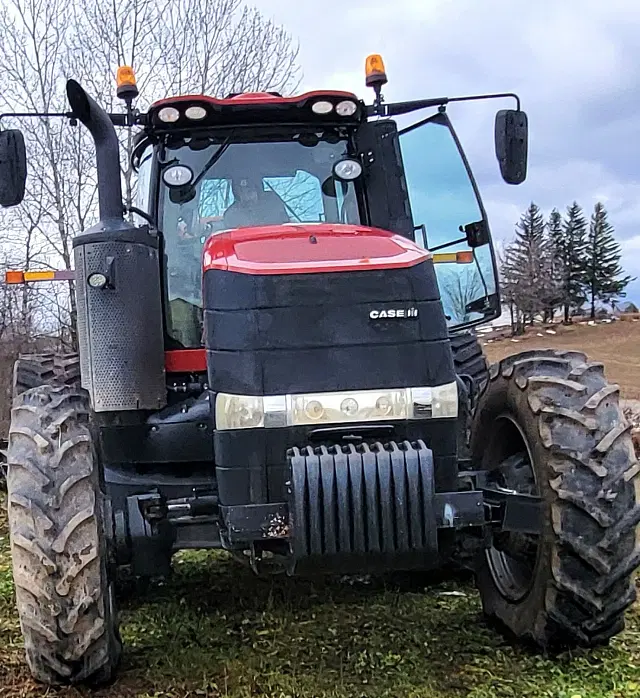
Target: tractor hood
296	309
309	248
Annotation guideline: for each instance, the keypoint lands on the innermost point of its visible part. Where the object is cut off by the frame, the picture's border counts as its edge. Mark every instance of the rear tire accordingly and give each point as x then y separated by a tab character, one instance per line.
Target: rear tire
550	424
468	360
34	370
468	357
57	520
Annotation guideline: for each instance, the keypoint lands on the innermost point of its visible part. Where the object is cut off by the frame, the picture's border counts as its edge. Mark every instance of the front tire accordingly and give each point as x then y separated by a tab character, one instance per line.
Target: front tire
57	519
549	424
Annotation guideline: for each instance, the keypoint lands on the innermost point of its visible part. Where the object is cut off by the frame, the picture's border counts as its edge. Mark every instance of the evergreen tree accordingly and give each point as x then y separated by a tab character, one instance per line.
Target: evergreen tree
603	261
525	268
554	229
554	291
571	252
530	227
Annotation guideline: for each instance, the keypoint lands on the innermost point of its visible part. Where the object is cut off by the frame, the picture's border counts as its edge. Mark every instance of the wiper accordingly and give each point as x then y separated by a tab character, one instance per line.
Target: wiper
212	160
182	195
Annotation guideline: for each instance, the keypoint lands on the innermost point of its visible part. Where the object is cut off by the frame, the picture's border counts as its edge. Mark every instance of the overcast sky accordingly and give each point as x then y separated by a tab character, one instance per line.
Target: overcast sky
574	63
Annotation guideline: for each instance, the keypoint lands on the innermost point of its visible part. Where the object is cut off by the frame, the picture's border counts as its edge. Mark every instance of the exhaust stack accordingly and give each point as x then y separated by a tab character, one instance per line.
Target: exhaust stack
99	125
120	321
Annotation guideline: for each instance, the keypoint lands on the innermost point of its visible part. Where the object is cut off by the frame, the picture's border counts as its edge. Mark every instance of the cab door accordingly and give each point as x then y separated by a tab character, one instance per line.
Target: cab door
449	220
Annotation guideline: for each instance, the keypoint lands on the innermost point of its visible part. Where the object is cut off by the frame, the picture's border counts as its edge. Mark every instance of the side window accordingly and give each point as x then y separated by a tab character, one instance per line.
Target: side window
143	184
443	201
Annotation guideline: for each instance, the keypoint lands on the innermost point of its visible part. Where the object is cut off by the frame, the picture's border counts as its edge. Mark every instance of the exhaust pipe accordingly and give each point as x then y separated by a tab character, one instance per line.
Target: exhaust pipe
120	322
99	125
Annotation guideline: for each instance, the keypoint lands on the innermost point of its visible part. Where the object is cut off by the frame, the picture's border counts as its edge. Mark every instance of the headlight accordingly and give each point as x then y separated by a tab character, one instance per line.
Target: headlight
322	107
169	115
239	411
97	280
177	176
247	412
347	169
346	108
195	113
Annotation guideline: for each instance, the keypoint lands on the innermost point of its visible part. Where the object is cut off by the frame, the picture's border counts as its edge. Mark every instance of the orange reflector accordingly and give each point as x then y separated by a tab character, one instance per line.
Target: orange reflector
125	76
39	275
14	277
25	277
375	70
453	258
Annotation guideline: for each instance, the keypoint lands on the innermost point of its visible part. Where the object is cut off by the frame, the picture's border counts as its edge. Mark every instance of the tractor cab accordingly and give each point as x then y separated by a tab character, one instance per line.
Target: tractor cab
207	166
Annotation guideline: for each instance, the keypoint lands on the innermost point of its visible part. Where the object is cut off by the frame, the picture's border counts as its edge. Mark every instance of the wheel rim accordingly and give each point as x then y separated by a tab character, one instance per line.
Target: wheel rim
513	557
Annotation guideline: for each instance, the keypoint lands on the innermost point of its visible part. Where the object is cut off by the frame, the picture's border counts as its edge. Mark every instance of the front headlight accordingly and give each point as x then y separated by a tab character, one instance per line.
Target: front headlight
250	412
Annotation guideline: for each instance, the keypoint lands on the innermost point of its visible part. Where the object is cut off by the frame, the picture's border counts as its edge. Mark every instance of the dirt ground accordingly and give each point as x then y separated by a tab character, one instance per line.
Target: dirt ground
615	344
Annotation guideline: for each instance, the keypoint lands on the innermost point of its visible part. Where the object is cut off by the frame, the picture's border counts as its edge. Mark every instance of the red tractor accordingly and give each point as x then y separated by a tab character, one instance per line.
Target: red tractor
278	360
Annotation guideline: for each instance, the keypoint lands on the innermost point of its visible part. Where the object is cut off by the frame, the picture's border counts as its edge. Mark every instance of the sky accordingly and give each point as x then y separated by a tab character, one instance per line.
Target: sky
574	63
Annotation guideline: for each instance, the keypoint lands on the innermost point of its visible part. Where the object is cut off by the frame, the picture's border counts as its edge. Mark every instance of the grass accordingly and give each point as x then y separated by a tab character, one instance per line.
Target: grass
216	630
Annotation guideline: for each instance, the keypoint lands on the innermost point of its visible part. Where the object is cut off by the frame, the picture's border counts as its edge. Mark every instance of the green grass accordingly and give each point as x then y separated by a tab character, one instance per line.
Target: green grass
216	630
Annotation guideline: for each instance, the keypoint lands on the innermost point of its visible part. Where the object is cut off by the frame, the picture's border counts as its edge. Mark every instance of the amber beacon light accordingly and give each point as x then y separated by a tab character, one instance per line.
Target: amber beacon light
126	86
375	71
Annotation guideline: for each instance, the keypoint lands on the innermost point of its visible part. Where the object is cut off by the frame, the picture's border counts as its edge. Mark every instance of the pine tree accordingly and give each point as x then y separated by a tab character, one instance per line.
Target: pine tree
603	261
554	290
571	251
554	229
524	268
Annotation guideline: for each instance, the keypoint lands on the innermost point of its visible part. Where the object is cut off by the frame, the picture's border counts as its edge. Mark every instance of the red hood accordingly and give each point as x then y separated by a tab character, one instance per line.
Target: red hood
308	248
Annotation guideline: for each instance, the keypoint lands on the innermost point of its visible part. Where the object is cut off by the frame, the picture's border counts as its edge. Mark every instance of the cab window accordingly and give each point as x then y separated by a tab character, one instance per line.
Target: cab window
445	205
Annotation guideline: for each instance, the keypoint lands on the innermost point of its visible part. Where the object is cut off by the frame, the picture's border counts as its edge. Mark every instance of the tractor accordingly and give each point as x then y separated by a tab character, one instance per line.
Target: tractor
277	358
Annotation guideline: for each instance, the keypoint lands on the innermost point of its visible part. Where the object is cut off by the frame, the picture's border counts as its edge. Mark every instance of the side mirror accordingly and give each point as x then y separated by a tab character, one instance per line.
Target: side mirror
13	168
512	140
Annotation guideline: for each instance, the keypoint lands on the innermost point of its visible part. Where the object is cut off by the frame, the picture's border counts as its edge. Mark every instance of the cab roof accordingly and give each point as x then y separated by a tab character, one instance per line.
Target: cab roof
253	108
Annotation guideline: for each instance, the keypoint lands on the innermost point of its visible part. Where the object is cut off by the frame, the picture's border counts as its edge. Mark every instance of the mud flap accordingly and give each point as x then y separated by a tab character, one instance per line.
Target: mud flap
364	507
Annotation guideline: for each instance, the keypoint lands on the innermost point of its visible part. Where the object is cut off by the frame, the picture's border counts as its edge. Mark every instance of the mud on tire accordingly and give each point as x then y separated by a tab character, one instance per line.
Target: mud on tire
561	406
58	542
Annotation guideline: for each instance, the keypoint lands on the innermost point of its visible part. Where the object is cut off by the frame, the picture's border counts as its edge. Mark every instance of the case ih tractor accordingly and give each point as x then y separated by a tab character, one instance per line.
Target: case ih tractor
277	360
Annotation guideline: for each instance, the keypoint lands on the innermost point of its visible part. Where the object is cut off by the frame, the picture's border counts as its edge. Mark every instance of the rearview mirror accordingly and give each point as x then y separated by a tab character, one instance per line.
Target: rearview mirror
511	134
13	168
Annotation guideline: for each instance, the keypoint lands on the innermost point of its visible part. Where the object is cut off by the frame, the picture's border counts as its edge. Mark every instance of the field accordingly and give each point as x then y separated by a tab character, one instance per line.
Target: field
216	630
615	344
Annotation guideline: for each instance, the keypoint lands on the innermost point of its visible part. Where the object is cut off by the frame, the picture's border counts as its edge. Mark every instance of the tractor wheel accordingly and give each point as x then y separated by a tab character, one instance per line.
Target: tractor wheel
549	424
468	357
34	370
57	516
468	360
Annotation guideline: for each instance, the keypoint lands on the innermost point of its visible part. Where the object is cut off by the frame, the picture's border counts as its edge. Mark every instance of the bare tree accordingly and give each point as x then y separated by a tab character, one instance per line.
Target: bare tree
212	46
206	46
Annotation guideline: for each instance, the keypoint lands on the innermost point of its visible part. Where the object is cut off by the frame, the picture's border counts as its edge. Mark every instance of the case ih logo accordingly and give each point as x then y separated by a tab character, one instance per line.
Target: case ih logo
393	313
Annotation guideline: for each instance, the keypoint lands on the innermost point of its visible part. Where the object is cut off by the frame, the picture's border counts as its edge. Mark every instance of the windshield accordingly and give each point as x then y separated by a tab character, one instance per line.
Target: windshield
242	184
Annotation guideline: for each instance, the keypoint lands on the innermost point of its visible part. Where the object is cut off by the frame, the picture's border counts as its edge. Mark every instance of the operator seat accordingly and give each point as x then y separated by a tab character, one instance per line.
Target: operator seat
265	208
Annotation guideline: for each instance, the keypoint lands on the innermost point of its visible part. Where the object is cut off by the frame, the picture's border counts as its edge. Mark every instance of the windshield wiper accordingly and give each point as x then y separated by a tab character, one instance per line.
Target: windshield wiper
181	195
212	160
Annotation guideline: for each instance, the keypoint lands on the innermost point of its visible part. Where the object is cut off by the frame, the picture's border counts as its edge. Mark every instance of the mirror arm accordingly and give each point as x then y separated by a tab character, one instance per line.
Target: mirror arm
133	118
40	115
406	107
